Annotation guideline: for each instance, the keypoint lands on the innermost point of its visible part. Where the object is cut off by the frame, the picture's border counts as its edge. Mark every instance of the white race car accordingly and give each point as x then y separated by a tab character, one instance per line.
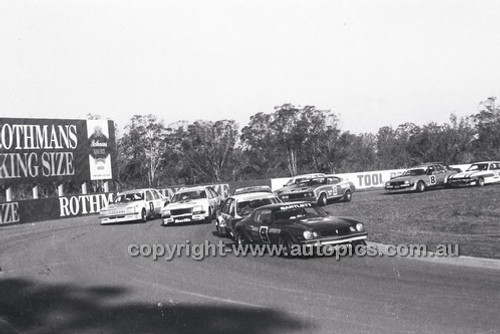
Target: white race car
133	205
479	174
195	204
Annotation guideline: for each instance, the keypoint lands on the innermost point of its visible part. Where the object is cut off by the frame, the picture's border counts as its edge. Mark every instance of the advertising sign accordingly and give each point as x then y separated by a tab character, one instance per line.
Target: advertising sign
37	150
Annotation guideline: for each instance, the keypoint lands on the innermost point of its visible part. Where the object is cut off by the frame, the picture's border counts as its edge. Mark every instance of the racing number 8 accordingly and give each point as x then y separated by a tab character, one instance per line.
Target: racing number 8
432	179
151	207
263	230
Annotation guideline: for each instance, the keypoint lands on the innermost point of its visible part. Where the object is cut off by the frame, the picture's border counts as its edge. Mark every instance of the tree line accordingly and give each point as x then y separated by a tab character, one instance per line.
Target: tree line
293	140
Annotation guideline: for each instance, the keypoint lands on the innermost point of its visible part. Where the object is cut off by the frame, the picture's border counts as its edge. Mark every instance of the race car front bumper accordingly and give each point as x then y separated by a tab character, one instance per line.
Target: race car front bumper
462	182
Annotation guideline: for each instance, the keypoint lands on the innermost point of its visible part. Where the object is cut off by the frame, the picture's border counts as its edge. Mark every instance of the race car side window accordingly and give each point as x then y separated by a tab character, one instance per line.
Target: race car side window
227	204
494	166
156	195
232	210
266	216
439	169
263	216
149	197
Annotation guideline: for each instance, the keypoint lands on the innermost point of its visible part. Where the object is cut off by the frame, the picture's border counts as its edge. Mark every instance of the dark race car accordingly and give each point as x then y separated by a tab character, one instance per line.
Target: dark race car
320	190
421	177
302	223
236	207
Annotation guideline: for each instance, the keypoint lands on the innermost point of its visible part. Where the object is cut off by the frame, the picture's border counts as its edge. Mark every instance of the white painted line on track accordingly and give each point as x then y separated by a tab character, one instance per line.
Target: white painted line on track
200	295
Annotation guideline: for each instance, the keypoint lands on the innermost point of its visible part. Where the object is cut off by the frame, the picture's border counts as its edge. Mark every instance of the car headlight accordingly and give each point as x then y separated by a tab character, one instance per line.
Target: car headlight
284	196
407	182
360	227
309	235
198	209
387	184
165	213
131	209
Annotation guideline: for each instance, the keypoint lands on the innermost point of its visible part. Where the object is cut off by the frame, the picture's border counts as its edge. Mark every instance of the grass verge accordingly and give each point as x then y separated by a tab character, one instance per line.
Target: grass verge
469	217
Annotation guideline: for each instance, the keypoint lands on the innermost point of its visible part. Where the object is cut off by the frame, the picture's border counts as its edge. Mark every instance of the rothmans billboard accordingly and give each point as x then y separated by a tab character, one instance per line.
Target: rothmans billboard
41	150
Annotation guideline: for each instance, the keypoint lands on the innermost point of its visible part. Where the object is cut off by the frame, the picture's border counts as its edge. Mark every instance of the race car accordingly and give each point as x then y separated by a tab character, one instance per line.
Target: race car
479	174
236	207
194	204
133	205
294	181
320	190
421	177
301	223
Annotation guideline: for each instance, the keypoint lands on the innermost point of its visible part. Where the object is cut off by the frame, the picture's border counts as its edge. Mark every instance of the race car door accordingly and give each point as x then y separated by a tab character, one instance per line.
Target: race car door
260	227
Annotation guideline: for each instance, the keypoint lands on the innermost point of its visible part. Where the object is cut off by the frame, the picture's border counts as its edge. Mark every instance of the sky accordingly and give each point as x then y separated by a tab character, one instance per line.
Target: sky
374	63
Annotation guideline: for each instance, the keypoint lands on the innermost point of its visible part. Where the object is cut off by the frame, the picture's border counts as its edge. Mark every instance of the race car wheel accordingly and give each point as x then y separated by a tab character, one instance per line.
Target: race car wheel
347	196
480	182
322	201
420	186
286	247
241	239
144	216
208	220
219	230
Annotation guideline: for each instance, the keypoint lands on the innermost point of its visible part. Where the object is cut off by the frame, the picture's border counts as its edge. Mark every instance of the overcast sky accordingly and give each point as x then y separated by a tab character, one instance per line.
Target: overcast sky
375	63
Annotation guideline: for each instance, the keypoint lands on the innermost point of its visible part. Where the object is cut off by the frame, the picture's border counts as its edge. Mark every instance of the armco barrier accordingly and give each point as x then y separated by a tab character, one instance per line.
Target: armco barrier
35	210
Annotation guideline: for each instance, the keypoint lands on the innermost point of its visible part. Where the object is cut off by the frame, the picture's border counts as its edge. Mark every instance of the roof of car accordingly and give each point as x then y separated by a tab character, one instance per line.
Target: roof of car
134	191
486	162
287	205
250	196
308	175
191	188
253	189
426	164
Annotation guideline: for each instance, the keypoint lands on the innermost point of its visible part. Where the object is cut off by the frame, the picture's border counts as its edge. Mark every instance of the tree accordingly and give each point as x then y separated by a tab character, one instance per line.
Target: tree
291	138
207	148
142	147
487	126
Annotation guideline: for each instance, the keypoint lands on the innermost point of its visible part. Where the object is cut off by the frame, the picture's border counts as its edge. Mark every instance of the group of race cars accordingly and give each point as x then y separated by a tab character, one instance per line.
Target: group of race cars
435	174
291	215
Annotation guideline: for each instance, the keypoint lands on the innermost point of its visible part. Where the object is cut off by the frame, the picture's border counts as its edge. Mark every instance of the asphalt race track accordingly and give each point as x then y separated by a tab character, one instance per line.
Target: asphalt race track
76	276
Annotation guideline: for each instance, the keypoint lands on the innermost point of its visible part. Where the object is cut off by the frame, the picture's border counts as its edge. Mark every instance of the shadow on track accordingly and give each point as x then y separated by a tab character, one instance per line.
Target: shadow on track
47	308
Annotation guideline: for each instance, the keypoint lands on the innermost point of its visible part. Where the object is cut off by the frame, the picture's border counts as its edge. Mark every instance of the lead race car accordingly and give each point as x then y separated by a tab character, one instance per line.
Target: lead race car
320	190
421	177
479	174
301	223
133	205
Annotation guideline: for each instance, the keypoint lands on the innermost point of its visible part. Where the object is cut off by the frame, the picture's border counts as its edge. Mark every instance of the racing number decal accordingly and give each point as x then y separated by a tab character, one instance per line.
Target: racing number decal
432	179
151	207
263	233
